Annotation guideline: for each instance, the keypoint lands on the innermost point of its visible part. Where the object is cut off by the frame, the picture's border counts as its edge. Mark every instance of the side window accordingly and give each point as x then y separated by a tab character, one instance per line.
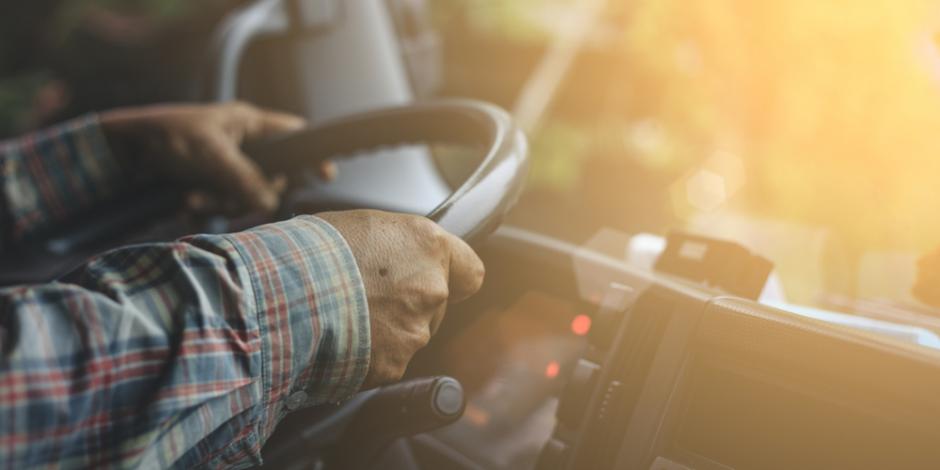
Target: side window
59	59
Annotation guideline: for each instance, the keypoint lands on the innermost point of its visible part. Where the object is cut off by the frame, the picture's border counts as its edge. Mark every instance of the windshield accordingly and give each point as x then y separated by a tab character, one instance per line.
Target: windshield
805	130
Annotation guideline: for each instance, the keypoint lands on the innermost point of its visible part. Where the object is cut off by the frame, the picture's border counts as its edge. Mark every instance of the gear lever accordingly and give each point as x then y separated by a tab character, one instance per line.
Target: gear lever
354	434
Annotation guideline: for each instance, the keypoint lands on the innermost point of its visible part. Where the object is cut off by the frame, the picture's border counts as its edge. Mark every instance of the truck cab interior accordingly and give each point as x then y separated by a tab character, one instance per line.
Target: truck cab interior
700	221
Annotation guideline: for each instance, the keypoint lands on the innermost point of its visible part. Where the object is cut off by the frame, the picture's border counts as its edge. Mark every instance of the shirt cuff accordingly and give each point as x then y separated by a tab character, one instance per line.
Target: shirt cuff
312	310
51	175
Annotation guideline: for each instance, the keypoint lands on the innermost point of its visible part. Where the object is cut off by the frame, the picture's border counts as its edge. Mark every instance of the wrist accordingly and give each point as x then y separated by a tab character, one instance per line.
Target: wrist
126	133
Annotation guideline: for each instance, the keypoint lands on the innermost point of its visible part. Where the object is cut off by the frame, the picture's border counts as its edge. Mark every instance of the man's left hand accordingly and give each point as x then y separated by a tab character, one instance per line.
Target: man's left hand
200	147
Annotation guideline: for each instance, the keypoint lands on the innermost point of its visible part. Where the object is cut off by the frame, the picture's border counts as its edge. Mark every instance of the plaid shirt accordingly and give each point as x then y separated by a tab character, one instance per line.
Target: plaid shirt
182	354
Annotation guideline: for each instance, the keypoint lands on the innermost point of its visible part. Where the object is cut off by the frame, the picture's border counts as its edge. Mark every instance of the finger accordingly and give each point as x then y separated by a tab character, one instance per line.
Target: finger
259	123
236	174
201	202
327	171
279	183
466	270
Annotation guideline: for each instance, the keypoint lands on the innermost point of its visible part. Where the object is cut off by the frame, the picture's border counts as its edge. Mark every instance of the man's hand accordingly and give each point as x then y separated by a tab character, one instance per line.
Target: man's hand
927	286
411	269
199	145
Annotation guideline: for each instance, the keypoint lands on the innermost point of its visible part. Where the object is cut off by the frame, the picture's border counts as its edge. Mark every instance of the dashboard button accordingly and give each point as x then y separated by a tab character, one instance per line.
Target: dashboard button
608	401
577	393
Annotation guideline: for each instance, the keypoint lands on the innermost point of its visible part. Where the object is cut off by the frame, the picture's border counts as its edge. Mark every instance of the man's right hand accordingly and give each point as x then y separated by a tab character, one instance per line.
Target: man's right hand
412	269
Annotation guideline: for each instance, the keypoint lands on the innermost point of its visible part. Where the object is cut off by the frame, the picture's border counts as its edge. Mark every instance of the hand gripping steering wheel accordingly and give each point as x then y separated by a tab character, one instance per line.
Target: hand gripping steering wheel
472	211
357	430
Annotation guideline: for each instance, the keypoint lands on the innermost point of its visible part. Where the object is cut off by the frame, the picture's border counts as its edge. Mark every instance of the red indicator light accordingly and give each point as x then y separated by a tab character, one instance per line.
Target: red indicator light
552	369
580	325
478	417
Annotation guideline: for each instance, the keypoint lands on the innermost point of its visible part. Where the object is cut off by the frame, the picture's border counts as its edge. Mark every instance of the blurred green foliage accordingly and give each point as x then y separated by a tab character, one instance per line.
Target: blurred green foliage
38	38
832	106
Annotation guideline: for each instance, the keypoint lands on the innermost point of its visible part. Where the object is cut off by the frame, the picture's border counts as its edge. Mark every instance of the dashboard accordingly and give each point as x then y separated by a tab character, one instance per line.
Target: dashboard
615	368
668	376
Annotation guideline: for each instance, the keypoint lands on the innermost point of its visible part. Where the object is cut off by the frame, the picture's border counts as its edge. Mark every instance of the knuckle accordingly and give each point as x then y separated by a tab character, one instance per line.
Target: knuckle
208	129
427	234
437	295
241	111
437	286
239	105
478	275
422	225
422	295
422	338
425	298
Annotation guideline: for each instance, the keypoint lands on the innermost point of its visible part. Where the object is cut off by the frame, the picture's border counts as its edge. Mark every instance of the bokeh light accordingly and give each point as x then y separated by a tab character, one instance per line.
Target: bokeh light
552	369
581	324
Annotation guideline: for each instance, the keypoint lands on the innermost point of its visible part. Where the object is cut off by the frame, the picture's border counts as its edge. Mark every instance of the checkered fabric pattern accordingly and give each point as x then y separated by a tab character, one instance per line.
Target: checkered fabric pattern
183	354
51	176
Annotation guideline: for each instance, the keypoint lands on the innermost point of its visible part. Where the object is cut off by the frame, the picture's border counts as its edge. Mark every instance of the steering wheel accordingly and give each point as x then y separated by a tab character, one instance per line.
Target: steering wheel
476	208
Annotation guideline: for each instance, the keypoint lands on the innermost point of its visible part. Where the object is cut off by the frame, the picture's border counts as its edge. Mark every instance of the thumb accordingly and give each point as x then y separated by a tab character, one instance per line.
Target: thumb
466	270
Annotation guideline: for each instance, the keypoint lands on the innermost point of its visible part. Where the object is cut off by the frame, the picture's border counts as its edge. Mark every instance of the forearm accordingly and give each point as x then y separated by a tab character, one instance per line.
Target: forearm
51	176
181	354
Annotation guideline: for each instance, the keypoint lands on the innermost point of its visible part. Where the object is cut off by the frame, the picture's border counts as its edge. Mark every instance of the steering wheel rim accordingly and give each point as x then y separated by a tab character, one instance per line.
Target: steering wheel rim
475	208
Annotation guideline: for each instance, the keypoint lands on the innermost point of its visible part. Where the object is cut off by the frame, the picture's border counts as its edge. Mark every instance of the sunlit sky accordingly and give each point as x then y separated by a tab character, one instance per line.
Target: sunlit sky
834	107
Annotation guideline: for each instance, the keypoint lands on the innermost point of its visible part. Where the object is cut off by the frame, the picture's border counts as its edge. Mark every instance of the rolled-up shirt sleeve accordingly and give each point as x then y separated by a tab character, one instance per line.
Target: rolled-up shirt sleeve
54	175
181	354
